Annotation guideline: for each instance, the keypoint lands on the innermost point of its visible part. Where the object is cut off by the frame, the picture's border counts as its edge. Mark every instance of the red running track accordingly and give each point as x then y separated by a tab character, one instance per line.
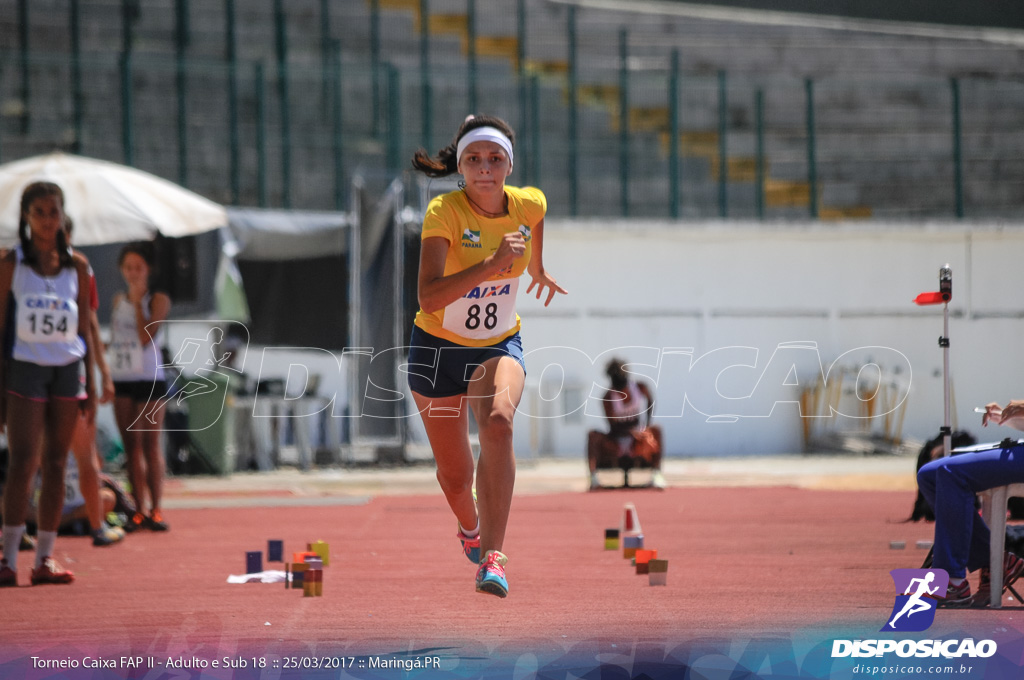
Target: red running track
793	565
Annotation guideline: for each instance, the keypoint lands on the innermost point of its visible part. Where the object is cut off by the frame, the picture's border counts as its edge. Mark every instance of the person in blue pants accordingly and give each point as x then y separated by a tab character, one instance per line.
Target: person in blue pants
950	485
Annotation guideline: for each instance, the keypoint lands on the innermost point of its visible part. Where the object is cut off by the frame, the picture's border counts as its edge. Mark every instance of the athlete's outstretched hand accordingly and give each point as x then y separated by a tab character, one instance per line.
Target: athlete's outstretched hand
542	280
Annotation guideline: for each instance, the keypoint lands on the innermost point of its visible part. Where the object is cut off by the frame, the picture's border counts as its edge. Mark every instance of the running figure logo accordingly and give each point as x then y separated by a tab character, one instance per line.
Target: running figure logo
916	590
201	366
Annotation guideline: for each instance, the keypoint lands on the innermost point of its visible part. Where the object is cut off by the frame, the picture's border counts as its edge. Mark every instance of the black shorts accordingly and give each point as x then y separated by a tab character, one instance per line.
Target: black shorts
142	391
440	368
42	383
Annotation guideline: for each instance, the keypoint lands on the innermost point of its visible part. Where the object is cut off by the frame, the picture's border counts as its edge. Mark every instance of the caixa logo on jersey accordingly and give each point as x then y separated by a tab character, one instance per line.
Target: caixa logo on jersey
487	290
917	593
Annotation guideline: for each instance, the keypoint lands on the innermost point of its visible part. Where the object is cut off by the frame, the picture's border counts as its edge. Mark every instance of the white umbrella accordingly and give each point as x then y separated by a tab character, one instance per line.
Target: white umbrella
109	203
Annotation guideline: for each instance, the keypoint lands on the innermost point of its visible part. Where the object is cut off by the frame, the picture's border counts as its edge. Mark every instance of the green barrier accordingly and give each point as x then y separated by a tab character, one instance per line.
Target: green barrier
211	424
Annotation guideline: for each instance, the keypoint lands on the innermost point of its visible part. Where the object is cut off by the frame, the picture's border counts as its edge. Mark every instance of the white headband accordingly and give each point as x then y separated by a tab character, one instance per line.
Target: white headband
484	134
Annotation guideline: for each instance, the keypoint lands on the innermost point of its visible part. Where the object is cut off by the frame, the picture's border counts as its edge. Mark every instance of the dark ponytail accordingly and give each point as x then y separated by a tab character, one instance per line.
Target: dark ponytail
28	254
64	249
446	163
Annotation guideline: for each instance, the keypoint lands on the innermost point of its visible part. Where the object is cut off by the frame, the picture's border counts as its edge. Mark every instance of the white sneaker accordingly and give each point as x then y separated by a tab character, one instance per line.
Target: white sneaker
658	480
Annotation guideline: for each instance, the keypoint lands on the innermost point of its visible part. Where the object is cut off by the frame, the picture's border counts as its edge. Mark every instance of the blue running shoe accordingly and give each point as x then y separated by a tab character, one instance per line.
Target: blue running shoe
470	546
490	577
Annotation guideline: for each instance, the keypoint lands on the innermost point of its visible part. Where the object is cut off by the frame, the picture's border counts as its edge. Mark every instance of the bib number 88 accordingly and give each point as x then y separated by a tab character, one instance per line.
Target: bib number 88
490	319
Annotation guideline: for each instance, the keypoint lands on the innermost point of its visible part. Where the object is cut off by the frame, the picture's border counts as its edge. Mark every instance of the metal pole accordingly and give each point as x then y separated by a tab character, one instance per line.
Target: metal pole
127	137
535	130
339	168
471	52
573	149
26	78
946	292
394	120
812	162
958	161
944	341
326	53
723	161
261	134
181	39
355	316
234	152
673	135
398	338
623	123
129	13
759	169
77	97
521	77
375	65
425	84
282	90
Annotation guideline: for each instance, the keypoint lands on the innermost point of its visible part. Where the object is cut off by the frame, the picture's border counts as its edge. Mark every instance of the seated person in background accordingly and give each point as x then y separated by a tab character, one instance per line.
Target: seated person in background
626	403
950	485
932	450
75	517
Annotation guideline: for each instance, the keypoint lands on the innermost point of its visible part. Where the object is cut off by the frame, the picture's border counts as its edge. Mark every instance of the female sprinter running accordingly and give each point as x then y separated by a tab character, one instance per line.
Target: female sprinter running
466	352
48	374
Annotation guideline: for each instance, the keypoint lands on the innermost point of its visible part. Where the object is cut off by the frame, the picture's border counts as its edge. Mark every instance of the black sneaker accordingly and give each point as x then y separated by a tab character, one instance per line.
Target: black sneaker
155	522
135	522
956	596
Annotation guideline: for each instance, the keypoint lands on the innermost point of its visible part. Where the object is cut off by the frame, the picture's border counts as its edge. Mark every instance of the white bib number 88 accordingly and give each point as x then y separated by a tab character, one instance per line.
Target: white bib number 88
486	311
490	319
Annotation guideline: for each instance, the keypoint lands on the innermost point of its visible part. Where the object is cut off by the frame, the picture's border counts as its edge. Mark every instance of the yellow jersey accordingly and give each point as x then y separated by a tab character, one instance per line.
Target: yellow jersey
485	315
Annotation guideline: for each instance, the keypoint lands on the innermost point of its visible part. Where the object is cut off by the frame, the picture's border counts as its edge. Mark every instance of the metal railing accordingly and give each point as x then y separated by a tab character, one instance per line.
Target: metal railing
630	135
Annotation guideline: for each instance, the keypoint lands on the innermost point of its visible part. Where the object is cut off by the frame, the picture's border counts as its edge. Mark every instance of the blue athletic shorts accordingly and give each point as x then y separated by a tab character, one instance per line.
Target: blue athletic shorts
439	368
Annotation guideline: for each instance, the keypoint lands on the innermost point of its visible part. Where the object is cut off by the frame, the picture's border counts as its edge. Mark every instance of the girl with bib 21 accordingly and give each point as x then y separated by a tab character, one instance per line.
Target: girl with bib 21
466	353
48	373
136	334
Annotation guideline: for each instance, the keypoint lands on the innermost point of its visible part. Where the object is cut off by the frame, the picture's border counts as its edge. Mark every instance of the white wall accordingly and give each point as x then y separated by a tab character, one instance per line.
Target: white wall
714	286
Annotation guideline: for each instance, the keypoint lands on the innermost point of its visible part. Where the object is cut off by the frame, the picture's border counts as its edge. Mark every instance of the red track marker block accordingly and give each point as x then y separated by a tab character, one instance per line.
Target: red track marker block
643	558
